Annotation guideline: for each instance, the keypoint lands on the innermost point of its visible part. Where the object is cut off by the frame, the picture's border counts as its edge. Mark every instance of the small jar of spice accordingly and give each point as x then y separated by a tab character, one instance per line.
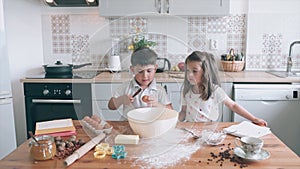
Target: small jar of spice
44	148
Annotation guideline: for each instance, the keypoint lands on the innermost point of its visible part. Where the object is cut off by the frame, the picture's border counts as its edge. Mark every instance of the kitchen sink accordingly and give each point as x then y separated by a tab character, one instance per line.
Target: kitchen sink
284	74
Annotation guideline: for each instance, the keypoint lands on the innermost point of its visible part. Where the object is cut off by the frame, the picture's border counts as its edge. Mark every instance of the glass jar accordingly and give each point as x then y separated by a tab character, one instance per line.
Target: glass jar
44	148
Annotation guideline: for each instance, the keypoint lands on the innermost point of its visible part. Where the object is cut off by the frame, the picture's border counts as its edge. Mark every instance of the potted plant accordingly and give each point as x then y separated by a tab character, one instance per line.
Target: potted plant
140	41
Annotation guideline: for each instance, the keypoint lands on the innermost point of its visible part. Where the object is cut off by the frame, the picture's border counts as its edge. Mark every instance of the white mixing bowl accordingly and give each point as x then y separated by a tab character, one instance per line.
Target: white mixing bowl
152	122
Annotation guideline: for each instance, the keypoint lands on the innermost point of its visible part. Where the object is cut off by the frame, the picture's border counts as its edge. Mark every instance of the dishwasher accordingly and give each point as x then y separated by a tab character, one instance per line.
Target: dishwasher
278	104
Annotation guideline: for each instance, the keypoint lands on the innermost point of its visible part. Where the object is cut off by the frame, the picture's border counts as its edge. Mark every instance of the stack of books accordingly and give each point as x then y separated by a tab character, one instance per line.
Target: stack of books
61	127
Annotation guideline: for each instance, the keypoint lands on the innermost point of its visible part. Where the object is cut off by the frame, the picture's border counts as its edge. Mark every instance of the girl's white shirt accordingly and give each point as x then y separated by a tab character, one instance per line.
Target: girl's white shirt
198	110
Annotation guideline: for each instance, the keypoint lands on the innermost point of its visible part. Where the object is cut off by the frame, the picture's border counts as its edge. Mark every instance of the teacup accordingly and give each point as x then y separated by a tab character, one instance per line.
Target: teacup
250	145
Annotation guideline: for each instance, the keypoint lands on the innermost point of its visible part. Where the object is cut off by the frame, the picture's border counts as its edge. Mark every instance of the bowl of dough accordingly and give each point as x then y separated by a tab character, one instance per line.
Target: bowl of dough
152	121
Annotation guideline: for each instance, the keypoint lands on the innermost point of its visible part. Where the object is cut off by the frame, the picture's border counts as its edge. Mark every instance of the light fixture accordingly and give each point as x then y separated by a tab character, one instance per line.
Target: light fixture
51	2
90	2
71	3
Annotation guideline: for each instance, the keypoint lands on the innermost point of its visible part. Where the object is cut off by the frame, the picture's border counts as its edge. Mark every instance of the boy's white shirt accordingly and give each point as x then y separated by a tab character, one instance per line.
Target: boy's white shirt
130	87
198	110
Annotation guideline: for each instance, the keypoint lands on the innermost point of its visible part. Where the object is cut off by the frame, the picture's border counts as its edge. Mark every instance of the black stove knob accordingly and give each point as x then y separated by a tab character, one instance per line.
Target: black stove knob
45	92
68	92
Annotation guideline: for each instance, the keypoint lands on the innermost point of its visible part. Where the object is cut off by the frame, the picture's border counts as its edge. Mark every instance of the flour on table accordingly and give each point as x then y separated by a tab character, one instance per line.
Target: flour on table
165	151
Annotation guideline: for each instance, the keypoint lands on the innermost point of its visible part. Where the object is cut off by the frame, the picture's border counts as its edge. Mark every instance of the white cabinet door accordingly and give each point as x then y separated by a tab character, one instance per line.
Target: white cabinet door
103	91
174	93
199	7
7	127
226	112
101	94
128	7
101	109
173	7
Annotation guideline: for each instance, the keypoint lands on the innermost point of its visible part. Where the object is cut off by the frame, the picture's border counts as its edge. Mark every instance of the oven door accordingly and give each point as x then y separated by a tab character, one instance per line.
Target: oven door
43	109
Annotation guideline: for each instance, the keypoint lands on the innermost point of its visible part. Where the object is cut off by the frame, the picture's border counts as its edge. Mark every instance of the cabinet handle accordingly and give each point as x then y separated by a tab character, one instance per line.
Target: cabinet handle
56	101
221	3
167	6
158	5
166	88
5	101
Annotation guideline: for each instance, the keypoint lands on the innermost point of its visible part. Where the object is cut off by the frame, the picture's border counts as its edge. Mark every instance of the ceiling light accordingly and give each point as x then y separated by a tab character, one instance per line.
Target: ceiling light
71	3
51	2
90	2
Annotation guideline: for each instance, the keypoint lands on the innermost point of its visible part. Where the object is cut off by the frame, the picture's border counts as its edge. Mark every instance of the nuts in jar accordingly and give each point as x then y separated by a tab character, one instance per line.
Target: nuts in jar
44	148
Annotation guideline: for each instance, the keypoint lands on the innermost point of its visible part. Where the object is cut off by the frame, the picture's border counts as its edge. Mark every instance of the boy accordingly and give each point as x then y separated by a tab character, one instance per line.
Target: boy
149	94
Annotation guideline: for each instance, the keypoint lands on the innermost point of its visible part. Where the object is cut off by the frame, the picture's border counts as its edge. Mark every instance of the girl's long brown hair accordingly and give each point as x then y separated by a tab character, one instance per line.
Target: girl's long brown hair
210	76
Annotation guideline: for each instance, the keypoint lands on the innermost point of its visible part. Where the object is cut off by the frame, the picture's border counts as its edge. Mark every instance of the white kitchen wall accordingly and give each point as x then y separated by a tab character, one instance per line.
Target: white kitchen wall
24	48
272	26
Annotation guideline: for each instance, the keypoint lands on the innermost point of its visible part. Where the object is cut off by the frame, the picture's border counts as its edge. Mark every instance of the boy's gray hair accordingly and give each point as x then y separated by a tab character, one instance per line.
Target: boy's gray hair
143	56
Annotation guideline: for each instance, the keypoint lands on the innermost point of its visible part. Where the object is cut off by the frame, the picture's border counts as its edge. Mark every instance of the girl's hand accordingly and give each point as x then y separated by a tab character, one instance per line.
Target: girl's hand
260	122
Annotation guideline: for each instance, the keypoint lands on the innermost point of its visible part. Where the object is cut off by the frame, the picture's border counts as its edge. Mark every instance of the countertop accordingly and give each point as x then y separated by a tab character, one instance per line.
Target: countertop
280	155
108	77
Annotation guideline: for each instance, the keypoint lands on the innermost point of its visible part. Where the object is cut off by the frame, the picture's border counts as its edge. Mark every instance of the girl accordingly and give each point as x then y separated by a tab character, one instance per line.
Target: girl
202	93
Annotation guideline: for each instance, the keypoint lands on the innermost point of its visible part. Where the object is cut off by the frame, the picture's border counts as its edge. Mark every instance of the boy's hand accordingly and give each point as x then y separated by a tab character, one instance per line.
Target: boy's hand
125	99
152	101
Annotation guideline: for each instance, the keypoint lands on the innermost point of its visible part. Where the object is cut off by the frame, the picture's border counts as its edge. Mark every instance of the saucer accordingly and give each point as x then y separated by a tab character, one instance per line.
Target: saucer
262	155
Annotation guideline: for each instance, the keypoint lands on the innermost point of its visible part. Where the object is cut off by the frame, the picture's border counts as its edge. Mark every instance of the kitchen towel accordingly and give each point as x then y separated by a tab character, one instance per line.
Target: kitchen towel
247	128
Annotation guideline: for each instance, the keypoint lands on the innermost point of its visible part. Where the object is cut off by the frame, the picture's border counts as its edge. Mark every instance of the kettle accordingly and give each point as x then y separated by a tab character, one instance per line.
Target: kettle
162	62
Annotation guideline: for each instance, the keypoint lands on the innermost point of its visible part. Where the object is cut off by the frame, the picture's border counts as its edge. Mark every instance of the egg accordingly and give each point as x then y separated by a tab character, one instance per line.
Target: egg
86	118
96	118
107	126
145	98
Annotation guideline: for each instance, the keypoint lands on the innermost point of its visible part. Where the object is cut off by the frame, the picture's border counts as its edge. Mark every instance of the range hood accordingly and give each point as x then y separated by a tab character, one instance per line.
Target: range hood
72	3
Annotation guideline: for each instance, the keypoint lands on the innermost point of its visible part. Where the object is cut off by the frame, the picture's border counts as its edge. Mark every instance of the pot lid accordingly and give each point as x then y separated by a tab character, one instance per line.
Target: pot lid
58	64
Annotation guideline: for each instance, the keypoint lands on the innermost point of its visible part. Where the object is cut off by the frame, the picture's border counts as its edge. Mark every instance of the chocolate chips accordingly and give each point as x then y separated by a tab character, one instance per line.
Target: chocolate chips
226	155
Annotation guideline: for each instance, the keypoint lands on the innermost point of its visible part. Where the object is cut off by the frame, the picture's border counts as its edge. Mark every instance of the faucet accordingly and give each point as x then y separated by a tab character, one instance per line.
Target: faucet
289	59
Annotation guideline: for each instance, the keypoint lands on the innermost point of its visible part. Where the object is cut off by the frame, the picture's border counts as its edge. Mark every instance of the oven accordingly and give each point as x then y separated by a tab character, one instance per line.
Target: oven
50	101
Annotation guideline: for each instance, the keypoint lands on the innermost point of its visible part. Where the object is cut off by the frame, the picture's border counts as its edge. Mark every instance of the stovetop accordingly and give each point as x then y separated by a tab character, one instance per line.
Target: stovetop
76	75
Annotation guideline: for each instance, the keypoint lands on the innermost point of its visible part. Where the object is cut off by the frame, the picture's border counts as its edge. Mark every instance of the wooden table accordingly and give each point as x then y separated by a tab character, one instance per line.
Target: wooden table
281	155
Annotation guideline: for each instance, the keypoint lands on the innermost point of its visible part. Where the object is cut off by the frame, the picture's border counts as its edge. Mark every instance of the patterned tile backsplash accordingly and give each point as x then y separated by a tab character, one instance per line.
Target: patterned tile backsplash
226	32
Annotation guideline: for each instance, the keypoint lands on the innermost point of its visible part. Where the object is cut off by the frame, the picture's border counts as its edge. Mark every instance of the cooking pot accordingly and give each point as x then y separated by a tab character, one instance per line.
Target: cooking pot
60	69
162	62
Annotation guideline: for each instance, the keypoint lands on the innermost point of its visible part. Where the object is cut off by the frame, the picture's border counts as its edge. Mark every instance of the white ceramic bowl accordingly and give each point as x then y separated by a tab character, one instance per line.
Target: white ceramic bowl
152	122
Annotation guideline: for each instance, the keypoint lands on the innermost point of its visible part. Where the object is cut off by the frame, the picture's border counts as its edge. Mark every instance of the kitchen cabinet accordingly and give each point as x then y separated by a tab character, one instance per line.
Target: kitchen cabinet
127	7
172	7
198	7
101	94
226	112
174	93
